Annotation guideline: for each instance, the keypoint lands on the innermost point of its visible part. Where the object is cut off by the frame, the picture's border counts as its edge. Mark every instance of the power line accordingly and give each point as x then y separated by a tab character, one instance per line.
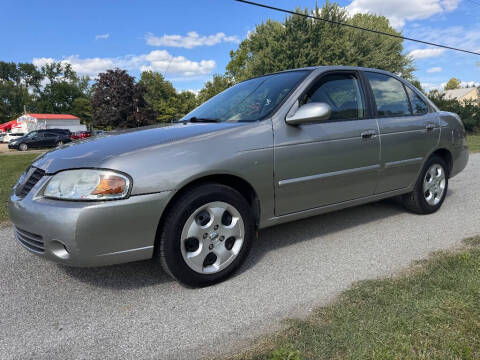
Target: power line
356	27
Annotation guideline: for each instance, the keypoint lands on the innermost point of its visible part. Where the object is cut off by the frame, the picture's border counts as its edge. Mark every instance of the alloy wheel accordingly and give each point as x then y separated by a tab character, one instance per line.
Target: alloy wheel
434	184
212	237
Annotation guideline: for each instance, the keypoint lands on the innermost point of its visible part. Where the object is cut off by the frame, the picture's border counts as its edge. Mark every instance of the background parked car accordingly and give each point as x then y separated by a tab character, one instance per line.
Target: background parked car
11	136
98	132
41	139
81	135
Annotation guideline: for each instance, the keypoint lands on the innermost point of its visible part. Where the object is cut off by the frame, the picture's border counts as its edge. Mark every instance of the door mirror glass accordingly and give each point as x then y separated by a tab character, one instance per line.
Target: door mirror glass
310	113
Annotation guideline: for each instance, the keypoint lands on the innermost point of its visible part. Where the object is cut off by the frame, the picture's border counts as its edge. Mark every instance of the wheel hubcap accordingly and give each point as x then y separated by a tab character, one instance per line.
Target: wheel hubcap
212	237
434	184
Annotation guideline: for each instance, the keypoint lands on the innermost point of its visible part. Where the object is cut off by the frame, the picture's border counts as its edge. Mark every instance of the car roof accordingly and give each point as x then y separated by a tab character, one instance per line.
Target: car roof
336	67
323	68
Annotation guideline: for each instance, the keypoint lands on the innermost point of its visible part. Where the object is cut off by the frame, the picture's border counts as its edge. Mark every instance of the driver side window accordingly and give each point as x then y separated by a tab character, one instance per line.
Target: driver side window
342	92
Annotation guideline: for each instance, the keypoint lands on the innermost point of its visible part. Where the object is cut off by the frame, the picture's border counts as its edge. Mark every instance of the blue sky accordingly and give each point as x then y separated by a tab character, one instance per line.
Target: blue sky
190	40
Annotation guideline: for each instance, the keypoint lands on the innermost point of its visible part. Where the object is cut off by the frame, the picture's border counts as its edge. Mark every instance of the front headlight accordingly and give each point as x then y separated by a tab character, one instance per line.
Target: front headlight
87	184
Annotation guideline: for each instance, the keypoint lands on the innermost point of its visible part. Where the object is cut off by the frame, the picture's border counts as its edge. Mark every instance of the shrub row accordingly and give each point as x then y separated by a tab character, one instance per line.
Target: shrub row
468	110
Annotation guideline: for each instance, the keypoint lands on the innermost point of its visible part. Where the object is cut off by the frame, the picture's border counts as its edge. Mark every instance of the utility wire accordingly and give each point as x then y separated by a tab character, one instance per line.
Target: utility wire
355	27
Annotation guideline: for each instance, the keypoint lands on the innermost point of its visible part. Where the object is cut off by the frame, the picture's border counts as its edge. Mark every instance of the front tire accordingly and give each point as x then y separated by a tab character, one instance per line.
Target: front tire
430	189
206	235
23	147
59	143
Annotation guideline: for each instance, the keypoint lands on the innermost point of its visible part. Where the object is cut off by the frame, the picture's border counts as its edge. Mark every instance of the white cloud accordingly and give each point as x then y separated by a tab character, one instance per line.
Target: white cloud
194	91
455	36
441	86
434	69
425	53
102	36
161	60
400	11
157	60
450	5
469	83
429	86
191	40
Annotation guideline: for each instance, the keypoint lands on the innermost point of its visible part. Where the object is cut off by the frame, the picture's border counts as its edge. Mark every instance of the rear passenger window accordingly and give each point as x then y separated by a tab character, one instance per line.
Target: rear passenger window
418	105
389	94
342	92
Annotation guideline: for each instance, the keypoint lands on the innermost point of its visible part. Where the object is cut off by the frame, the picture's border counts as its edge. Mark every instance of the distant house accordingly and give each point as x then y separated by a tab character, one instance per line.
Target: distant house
463	94
30	122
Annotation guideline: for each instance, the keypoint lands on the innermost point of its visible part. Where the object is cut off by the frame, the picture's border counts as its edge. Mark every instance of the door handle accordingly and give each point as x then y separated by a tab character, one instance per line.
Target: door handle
429	126
368	134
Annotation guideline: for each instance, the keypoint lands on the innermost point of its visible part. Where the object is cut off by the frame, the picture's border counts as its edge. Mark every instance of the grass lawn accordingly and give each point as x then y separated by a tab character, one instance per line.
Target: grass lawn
11	167
474	142
430	312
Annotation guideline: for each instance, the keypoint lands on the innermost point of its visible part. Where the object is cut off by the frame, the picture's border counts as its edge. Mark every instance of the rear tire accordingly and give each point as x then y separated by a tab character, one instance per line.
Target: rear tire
206	235
430	189
59	143
23	147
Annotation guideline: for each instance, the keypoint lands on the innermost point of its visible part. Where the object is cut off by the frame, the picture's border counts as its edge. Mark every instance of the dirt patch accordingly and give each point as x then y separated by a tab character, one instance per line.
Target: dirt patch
4	150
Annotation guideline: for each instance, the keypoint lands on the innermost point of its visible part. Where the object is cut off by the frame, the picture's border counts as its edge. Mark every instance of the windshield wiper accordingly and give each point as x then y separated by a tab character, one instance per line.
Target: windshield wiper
203	120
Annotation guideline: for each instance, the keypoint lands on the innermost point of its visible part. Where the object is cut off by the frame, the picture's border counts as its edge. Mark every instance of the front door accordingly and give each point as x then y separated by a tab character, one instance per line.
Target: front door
408	131
332	161
34	139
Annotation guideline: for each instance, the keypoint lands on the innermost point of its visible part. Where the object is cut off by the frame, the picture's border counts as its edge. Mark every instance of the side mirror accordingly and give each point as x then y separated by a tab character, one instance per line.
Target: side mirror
310	113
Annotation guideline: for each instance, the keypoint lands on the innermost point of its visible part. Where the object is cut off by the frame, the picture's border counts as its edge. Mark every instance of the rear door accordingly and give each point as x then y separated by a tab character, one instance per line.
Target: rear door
408	130
50	139
332	161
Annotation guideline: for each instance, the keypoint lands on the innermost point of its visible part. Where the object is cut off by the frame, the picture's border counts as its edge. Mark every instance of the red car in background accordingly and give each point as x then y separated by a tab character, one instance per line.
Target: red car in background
81	135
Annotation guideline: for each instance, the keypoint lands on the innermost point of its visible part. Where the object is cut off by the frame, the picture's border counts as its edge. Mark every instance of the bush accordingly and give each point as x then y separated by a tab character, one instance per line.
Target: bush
468	110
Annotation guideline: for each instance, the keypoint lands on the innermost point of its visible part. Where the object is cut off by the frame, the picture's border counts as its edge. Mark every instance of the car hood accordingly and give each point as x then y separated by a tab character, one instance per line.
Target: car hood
96	151
15	138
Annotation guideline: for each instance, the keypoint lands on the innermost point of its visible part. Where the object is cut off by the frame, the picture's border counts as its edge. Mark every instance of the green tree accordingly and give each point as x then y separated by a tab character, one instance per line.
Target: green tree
453	84
19	87
213	87
82	108
160	95
62	89
300	42
186	102
118	102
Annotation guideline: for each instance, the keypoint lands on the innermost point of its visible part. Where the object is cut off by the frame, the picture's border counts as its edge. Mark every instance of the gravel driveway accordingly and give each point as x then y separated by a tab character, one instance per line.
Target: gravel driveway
48	311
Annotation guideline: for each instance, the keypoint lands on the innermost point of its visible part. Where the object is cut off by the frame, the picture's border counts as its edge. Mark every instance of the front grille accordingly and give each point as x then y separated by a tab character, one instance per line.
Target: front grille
31	241
29	183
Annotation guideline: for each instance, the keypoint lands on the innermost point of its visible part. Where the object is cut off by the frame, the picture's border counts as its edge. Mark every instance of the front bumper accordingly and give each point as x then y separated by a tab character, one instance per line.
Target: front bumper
87	233
12	146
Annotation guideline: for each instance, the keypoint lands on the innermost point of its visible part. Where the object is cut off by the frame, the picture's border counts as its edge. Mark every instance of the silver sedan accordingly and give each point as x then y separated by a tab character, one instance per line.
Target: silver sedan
266	151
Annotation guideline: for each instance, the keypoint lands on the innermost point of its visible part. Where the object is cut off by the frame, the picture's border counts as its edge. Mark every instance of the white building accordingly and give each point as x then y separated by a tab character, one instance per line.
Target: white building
30	122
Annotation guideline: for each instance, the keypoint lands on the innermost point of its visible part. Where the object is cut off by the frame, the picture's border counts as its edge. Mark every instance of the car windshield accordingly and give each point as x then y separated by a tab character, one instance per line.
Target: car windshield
250	100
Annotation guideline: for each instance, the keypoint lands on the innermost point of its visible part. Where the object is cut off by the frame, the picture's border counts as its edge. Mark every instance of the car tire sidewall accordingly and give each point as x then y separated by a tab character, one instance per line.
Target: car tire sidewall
170	235
59	143
426	207
23	147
